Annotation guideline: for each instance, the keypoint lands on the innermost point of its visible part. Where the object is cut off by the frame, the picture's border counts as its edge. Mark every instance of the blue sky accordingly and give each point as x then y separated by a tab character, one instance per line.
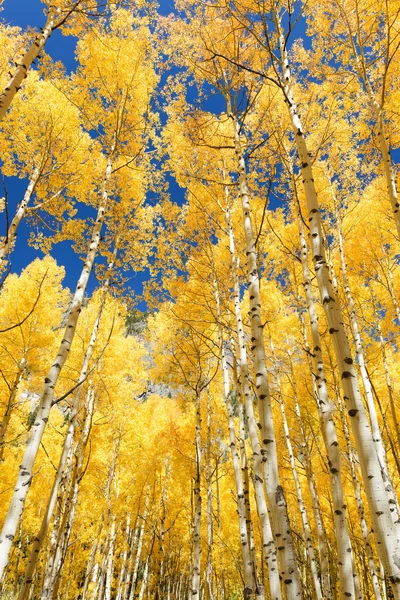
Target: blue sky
30	13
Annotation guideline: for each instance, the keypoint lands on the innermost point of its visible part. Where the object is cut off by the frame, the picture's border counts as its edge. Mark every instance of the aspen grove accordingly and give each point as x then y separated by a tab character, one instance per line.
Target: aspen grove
200	301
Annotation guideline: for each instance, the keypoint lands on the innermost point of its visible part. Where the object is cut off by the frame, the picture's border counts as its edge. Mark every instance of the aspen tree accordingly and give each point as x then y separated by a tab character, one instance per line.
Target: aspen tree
386	533
244	539
269	549
58	13
46	401
377	438
304	517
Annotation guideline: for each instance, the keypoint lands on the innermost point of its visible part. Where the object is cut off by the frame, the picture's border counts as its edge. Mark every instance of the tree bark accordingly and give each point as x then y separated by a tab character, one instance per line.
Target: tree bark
25	474
386	532
276	498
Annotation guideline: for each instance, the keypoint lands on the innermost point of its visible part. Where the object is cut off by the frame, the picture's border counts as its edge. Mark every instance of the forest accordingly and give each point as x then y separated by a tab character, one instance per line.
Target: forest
229	429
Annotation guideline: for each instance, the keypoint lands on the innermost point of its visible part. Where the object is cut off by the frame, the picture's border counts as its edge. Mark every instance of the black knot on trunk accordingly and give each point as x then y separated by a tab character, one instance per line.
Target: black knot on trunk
347	375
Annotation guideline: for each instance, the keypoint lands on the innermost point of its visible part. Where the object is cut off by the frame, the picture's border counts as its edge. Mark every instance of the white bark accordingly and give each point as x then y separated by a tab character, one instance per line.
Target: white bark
244	543
195	591
376	433
302	508
269	549
139	548
325	413
26	474
360	504
275	493
386	532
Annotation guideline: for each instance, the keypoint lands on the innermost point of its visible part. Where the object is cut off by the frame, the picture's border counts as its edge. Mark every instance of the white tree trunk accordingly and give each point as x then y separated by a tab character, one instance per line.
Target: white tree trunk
26	474
268	549
275	493
302	508
325	413
244	543
386	532
376	433
195	592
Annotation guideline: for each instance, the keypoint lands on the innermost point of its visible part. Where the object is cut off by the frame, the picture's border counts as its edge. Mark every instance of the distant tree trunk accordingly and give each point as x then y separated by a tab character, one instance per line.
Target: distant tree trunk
139	548
25	474
110	561
302	508
195	592
210	530
92	559
124	562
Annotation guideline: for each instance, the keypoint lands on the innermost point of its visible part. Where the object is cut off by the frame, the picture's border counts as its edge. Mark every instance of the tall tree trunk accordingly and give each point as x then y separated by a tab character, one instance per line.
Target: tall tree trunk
268	549
360	505
325	413
376	433
386	532
302	508
139	548
195	592
67	446
124	562
25	474
92	559
241	510
54	19
275	493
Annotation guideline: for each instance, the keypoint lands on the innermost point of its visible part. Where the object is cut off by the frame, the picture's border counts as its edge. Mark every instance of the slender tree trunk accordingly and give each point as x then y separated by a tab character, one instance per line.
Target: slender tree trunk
92	559
269	549
325	413
68	443
124	562
7	246
275	493
321	532
139	548
386	532
244	542
246	490
210	531
110	562
376	434
302	508
54	19
195	592
360	505
25	474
